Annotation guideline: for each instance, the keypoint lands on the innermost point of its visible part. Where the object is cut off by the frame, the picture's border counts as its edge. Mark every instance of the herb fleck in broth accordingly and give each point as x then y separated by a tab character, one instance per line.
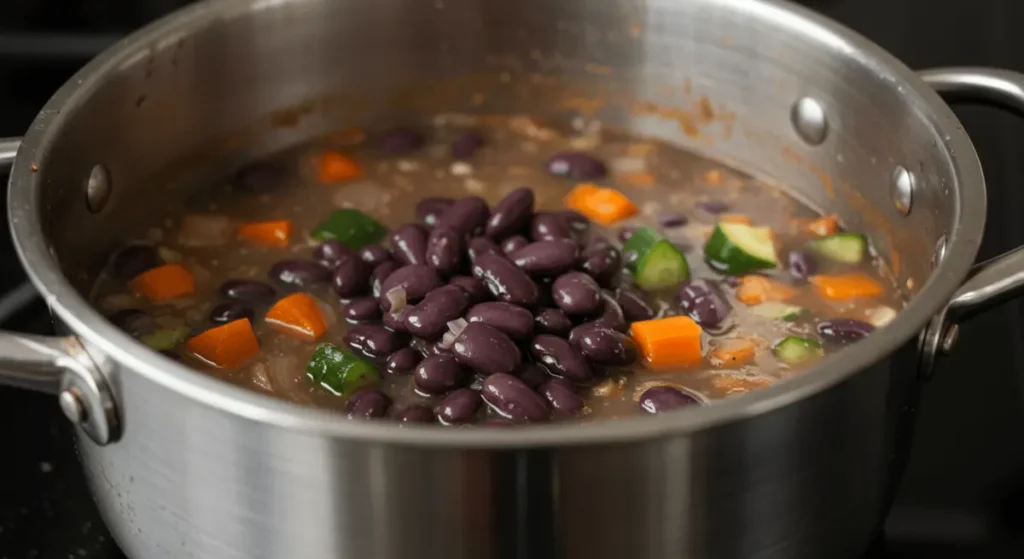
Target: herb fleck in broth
784	286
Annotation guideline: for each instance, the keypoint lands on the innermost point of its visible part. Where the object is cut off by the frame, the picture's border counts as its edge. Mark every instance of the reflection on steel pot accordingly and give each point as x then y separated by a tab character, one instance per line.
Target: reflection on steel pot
180	461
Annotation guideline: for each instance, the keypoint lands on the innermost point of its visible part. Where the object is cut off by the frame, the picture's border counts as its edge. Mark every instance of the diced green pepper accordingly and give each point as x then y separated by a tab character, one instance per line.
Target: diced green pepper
352	228
165	338
339	371
658	263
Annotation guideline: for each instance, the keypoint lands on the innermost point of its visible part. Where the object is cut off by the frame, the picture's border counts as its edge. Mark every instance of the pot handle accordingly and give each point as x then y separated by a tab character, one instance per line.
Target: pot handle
55	365
1001	278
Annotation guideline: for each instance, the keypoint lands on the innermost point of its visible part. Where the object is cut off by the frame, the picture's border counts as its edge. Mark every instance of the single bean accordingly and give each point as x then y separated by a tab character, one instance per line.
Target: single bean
381	273
230	312
576	293
844	330
511	214
428	210
506	281
713	206
466	216
514	243
444	250
659	399
403	361
513	320
330	252
634	306
576	221
250	291
395	321
416	280
561	358
532	374
552	321
700	301
672	220
364	309
486	350
409	244
261	177
368	403
601	262
429	319
481	245
511	398
546	258
466	144
301	273
373	340
132	260
459	407
545	226
402	140
577	166
475	288
611	315
562	396
439	374
374	255
415	413
603	345
801	265
351	277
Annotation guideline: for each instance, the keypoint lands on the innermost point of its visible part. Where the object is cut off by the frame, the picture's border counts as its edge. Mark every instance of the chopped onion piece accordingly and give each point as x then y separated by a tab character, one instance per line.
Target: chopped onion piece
328	312
447	340
204	230
366	196
880	316
397	299
261	378
288	378
629	164
457	326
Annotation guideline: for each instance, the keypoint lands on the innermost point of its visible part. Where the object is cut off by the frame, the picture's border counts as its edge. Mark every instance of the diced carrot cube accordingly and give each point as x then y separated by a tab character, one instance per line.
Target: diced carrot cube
847	286
272	233
227	346
164	282
298	314
603	205
337	167
754	290
668	342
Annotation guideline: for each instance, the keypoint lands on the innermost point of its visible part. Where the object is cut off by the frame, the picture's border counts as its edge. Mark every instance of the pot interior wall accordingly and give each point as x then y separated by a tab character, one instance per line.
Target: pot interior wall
233	78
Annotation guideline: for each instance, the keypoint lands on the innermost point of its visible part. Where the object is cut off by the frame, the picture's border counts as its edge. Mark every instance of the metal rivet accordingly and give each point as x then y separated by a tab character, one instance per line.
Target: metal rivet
903	184
809	120
940	252
949	338
97	189
72	406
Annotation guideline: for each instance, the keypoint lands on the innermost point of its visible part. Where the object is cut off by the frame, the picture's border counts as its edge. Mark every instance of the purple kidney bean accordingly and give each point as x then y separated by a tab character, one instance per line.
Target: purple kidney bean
367	403
395	321
415	413
475	288
403	361
511	214
577	166
250	291
429	210
133	321
466	144
330	252
481	245
505	281
561	358
351	277
713	206
575	221
364	309
699	301
546	258
659	399
459	407
562	397
261	177
672	220
511	398
444	250
603	345
409	244
511	319
801	265
429	319
416	280
374	255
302	273
611	315
486	350
402	140
546	226
466	216
552	321
438	374
374	340
532	374
576	293
514	243
601	262
844	330
633	304
381	273
230	312
132	260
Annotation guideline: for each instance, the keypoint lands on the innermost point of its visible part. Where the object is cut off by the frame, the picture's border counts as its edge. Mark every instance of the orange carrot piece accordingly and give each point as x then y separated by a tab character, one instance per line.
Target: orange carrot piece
824	226
272	233
226	346
754	290
638	179
603	205
731	385
667	342
298	314
846	286
164	282
734	218
337	167
733	353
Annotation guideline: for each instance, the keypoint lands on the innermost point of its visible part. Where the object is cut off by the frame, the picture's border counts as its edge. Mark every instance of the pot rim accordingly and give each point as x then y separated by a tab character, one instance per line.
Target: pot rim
24	209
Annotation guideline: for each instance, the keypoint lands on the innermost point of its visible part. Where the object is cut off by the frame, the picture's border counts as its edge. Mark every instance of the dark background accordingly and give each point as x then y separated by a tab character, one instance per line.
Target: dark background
963	495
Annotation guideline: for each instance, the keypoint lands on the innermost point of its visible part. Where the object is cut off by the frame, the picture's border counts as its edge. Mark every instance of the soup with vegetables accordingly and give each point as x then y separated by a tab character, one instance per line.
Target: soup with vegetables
486	270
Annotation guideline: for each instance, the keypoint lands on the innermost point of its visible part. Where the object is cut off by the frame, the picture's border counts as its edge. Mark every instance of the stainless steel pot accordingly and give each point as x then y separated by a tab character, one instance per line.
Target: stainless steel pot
183	465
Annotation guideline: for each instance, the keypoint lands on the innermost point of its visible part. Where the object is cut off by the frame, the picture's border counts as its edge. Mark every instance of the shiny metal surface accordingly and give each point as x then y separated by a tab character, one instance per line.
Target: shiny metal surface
205	469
